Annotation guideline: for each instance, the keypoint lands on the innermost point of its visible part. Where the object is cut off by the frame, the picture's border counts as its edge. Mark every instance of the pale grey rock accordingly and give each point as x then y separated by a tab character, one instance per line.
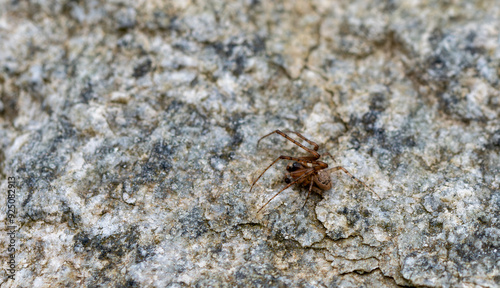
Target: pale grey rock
132	129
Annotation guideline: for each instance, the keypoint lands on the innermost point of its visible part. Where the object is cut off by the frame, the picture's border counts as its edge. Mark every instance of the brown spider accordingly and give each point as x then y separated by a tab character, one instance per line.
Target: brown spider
316	176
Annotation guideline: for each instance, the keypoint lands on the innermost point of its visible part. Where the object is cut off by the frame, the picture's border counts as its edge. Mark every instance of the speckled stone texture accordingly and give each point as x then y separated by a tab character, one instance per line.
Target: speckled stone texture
131	128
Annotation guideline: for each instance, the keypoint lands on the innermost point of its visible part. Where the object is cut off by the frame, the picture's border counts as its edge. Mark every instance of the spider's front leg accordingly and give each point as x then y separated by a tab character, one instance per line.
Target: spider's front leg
304	176
315	154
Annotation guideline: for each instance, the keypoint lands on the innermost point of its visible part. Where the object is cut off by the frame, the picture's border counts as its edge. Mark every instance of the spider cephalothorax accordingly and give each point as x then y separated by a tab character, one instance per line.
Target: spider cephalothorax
307	171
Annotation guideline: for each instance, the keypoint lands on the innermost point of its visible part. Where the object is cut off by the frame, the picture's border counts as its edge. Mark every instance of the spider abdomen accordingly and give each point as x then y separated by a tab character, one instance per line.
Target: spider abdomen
323	181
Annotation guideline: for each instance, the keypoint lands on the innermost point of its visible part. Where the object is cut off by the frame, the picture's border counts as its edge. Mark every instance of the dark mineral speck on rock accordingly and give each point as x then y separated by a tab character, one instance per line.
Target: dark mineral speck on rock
131	132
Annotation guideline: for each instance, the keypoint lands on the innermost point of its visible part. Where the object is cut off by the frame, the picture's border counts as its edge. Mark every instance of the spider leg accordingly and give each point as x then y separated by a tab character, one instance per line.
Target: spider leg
328	154
352	177
313	152
284	188
316	146
309	193
312	160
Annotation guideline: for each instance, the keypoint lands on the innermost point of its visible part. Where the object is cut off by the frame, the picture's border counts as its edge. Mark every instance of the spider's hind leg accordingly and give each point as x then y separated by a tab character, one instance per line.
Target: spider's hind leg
352	177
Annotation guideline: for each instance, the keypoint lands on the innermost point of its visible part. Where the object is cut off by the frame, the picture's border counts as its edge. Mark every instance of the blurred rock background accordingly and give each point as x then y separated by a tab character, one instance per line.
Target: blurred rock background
131	129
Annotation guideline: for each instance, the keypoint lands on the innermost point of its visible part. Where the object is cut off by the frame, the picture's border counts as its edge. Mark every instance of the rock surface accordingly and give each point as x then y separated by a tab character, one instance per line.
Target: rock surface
131	129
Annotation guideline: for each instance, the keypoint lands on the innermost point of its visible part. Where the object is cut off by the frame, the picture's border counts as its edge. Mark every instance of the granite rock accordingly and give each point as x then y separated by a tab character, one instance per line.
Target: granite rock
131	131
